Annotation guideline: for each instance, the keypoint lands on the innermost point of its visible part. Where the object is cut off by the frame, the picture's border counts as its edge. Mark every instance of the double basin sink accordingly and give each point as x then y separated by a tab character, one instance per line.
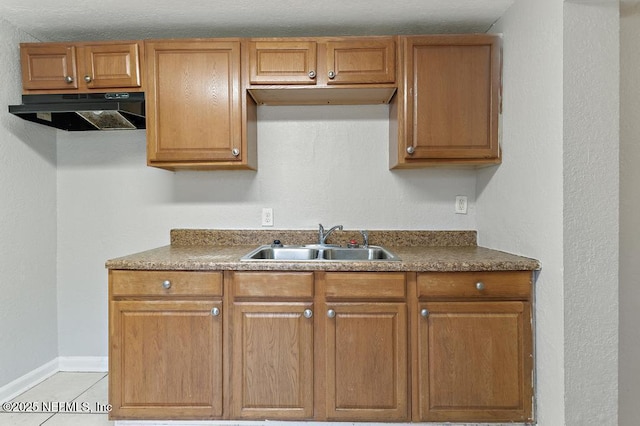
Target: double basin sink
317	252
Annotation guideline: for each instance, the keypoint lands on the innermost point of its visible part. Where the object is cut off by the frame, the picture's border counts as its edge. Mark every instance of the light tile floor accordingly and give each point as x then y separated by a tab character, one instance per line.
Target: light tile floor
64	399
81	400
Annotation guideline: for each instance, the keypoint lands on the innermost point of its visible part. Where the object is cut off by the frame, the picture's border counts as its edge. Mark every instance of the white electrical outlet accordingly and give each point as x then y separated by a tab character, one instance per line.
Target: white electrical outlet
267	216
461	204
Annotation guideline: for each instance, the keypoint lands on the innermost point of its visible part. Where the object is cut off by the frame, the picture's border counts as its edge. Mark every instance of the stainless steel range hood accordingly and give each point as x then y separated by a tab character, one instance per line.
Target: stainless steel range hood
81	112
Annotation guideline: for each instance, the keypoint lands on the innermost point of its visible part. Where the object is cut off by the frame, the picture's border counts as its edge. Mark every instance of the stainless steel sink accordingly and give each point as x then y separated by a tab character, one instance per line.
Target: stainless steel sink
318	253
282	253
360	253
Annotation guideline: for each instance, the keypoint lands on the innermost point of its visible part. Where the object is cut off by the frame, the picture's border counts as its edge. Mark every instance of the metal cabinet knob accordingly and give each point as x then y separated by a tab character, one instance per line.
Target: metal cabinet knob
215	312
87	78
308	313
410	150
424	313
235	152
480	285
166	284
68	79
312	74
332	75
331	313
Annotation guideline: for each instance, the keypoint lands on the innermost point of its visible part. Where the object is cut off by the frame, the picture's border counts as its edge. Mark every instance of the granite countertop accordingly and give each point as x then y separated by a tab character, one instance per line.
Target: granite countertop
419	251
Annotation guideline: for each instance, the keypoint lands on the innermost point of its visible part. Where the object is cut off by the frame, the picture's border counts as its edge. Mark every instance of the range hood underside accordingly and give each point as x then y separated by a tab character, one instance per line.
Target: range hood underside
83	112
75	121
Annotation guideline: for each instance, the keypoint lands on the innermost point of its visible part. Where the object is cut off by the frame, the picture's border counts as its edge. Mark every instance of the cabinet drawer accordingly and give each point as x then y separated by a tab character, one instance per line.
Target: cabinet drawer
153	283
443	285
369	285
290	285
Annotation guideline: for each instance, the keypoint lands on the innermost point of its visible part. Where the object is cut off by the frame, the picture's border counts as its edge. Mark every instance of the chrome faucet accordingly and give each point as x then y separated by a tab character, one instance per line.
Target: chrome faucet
365	238
322	236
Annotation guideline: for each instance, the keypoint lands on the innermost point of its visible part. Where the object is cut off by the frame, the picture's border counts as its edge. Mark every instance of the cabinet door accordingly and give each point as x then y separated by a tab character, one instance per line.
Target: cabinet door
193	101
113	65
165	359
366	361
474	362
272	375
452	97
361	61
48	66
282	62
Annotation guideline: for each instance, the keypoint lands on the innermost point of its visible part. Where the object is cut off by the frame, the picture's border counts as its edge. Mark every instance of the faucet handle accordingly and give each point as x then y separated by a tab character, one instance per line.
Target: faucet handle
365	238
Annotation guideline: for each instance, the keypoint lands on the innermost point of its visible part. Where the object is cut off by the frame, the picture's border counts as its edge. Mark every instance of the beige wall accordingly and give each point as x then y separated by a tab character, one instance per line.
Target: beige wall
556	196
629	213
28	338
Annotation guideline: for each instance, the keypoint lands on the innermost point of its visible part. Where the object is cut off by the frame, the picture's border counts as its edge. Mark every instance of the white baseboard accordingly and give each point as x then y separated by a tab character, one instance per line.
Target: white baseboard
29	380
86	364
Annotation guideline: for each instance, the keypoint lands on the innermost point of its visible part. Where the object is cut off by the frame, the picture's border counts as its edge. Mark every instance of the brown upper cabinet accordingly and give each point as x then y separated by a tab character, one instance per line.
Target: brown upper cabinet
202	94
282	62
81	67
197	116
367	64
447	106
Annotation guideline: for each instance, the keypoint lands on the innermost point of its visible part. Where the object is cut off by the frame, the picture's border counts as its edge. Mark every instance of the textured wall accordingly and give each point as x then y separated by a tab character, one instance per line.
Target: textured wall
591	199
629	387
556	197
520	204
27	228
318	164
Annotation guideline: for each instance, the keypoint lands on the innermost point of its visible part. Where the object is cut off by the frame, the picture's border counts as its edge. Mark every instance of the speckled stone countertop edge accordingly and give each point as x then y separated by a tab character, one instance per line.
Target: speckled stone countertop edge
413	259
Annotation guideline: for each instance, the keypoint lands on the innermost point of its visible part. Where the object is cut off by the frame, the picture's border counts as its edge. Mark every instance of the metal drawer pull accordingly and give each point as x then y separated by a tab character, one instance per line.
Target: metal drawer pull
480	285
331	313
308	313
424	313
215	312
166	284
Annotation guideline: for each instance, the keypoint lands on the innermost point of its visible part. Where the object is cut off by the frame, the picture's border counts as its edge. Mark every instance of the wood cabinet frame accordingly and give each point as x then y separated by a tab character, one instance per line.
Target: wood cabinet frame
444	92
198	82
503	303
278	70
91	67
268	315
379	312
350	392
185	345
446	110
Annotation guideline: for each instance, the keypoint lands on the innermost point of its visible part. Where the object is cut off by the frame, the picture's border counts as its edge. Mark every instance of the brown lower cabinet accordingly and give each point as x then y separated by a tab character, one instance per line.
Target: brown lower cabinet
165	345
272	345
336	346
363	354
474	347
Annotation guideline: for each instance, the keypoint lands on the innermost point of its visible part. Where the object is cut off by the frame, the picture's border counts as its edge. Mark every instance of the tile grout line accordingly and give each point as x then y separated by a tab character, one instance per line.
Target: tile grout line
81	393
